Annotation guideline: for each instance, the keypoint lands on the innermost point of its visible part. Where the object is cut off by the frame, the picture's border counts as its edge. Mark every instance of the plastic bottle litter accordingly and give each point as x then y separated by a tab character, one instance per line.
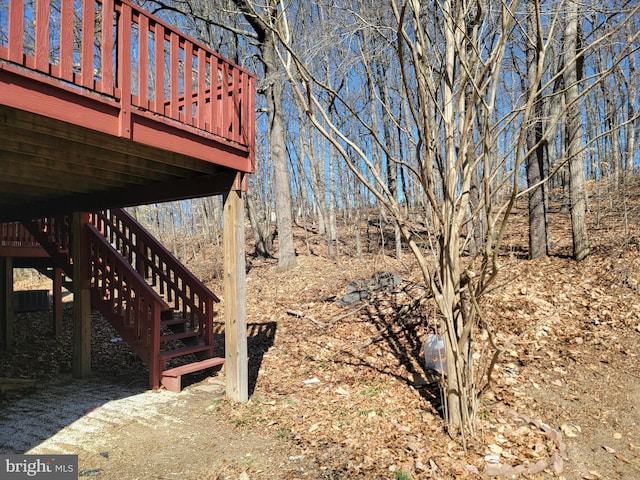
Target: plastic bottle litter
434	357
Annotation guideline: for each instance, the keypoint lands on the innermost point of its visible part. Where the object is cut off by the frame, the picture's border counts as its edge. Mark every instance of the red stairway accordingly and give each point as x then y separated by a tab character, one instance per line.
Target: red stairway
156	305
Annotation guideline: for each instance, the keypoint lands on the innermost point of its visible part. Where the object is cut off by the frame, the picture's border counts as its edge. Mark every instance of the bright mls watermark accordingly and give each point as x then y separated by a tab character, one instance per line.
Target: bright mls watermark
51	467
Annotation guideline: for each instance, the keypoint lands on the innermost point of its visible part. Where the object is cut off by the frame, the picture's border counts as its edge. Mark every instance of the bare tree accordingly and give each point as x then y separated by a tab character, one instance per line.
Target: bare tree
272	88
442	132
631	128
538	232
464	128
574	134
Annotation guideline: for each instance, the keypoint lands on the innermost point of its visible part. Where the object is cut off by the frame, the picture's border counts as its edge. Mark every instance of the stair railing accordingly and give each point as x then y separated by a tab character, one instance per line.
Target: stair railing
125	260
119	292
15	234
123	295
188	296
54	235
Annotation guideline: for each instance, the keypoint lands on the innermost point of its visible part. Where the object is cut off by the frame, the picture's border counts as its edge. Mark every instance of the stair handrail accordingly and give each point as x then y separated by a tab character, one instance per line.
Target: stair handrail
143	252
153	261
54	235
123	291
122	255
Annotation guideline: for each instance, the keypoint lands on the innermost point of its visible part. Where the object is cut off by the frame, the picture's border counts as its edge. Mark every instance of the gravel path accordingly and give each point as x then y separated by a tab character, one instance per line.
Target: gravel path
59	416
126	432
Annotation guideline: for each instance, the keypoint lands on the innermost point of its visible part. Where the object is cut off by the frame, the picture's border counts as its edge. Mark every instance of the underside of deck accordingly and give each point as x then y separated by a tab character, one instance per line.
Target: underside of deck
49	166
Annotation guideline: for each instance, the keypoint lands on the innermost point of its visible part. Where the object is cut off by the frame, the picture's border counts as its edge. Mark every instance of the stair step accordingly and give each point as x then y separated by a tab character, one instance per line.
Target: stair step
174	321
193	367
171	379
178	336
178	352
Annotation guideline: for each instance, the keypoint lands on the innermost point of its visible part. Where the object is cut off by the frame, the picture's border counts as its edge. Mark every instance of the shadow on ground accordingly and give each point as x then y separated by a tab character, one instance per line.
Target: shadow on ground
56	404
260	338
403	327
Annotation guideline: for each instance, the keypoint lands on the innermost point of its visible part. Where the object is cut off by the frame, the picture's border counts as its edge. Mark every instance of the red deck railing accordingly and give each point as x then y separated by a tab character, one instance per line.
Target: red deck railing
117	50
16	235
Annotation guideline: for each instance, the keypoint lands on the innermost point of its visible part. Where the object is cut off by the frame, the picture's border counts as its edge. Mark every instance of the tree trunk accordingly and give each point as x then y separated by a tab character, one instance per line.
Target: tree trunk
332	230
448	254
538	241
278	157
261	239
317	182
574	137
630	129
273	92
611	139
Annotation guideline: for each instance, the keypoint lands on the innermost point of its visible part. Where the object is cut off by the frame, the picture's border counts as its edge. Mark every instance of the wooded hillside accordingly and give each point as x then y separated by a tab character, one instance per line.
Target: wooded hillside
442	116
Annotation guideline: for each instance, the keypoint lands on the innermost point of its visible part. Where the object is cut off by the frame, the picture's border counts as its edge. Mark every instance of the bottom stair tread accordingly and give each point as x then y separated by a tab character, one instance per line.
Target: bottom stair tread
171	379
193	367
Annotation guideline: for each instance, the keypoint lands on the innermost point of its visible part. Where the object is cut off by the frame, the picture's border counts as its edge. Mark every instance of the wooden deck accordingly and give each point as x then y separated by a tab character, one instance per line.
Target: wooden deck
102	106
108	106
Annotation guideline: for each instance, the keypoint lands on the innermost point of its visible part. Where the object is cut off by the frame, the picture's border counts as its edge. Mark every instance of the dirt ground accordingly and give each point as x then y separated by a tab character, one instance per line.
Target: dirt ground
121	431
341	392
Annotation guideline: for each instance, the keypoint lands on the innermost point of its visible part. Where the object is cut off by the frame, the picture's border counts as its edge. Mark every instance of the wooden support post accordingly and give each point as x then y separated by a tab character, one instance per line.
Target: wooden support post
156	364
235	312
58	275
81	297
6	303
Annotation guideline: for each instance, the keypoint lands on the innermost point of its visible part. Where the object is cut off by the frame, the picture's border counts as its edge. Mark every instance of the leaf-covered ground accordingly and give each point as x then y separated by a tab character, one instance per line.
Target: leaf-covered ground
343	391
565	400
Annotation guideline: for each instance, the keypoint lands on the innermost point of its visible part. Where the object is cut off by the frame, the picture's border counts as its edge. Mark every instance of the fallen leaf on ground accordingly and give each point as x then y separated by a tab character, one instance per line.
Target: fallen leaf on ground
570	430
622	458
